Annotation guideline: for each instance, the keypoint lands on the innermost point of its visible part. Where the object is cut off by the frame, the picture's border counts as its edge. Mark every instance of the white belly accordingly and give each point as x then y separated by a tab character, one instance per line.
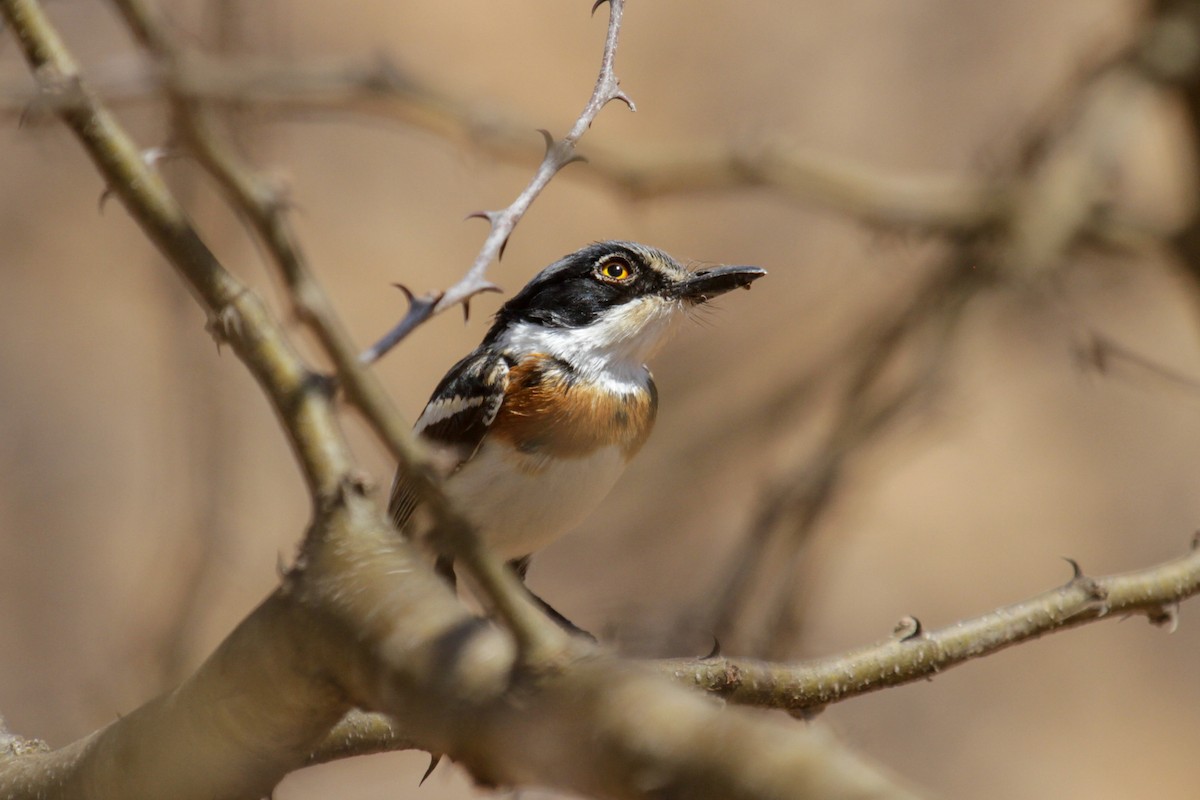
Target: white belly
518	511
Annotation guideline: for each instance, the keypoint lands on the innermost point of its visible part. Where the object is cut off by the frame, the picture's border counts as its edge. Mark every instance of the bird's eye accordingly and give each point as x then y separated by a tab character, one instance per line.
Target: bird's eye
615	269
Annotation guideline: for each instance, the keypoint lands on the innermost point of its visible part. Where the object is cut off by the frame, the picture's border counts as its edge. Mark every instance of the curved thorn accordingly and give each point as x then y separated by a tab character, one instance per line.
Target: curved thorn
407	292
624	98
489	287
573	159
107	193
1076	572
548	137
503	246
1165	616
434	758
596	5
419	310
490	216
908	628
716	650
466	305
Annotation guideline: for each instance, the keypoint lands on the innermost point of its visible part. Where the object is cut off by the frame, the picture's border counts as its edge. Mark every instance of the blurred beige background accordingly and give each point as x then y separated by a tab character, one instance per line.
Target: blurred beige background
146	495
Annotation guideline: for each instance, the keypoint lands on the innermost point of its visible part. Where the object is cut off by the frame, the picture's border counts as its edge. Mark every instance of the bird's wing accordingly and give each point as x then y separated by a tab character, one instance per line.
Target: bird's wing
455	420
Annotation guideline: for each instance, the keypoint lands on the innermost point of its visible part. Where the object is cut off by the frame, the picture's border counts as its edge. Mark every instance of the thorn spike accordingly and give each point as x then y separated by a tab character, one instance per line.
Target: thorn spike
466	304
548	137
908	628
407	292
434	758
503	247
716	650
624	98
596	5
1076	571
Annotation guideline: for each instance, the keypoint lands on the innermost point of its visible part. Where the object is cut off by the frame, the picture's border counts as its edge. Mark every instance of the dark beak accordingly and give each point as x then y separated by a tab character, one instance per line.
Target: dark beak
706	284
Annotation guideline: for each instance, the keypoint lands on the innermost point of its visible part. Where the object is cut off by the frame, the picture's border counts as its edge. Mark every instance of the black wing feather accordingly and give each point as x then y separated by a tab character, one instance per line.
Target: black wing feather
455	420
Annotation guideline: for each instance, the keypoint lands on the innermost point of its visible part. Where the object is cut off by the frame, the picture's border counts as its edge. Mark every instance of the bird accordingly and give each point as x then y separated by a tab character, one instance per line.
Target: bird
532	428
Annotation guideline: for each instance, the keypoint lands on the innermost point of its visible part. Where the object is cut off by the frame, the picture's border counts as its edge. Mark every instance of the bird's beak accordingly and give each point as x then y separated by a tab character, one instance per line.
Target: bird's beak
705	284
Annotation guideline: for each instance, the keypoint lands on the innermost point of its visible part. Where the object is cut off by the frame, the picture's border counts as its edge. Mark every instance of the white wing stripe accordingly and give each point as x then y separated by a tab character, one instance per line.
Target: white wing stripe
444	408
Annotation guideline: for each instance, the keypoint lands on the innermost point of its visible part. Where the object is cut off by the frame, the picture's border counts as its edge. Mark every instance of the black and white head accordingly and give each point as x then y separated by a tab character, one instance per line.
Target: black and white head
608	306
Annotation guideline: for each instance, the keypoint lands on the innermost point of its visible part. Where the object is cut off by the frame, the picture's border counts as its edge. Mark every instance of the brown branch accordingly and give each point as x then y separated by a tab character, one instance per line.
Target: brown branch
910	655
260	203
940	203
916	655
266	209
380	89
558	154
236	315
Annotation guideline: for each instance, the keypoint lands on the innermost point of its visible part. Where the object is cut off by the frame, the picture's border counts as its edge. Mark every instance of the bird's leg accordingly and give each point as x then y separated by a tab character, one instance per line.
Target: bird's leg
521	566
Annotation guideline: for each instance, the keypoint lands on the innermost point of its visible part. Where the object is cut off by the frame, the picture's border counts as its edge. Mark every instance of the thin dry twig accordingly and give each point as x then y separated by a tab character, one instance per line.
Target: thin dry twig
381	89
913	654
558	154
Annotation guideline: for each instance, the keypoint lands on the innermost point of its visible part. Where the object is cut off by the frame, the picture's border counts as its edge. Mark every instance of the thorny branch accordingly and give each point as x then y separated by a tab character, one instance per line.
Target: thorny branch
558	154
914	654
910	654
264	206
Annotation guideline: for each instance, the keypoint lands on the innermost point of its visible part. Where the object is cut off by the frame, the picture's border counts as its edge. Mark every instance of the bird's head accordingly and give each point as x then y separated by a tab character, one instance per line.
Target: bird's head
610	305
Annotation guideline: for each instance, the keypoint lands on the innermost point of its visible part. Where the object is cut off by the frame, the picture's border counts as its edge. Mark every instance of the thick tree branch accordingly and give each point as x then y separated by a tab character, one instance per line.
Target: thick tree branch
910	655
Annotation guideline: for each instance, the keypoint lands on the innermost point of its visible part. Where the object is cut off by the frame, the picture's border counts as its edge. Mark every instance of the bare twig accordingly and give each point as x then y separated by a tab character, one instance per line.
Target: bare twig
915	655
381	89
558	154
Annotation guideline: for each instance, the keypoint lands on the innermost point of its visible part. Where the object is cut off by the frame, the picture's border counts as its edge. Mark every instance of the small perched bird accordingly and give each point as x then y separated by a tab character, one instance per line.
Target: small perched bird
534	427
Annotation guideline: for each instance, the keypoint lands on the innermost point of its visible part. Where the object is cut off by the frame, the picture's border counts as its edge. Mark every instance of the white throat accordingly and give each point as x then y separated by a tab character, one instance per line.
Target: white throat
614	347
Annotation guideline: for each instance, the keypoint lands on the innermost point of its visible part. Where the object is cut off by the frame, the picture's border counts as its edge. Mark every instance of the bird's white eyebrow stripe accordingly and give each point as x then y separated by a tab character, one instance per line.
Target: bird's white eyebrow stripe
446	407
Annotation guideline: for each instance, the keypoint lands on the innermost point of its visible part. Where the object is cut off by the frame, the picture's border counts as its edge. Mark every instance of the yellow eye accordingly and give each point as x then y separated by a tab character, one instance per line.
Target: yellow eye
615	269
